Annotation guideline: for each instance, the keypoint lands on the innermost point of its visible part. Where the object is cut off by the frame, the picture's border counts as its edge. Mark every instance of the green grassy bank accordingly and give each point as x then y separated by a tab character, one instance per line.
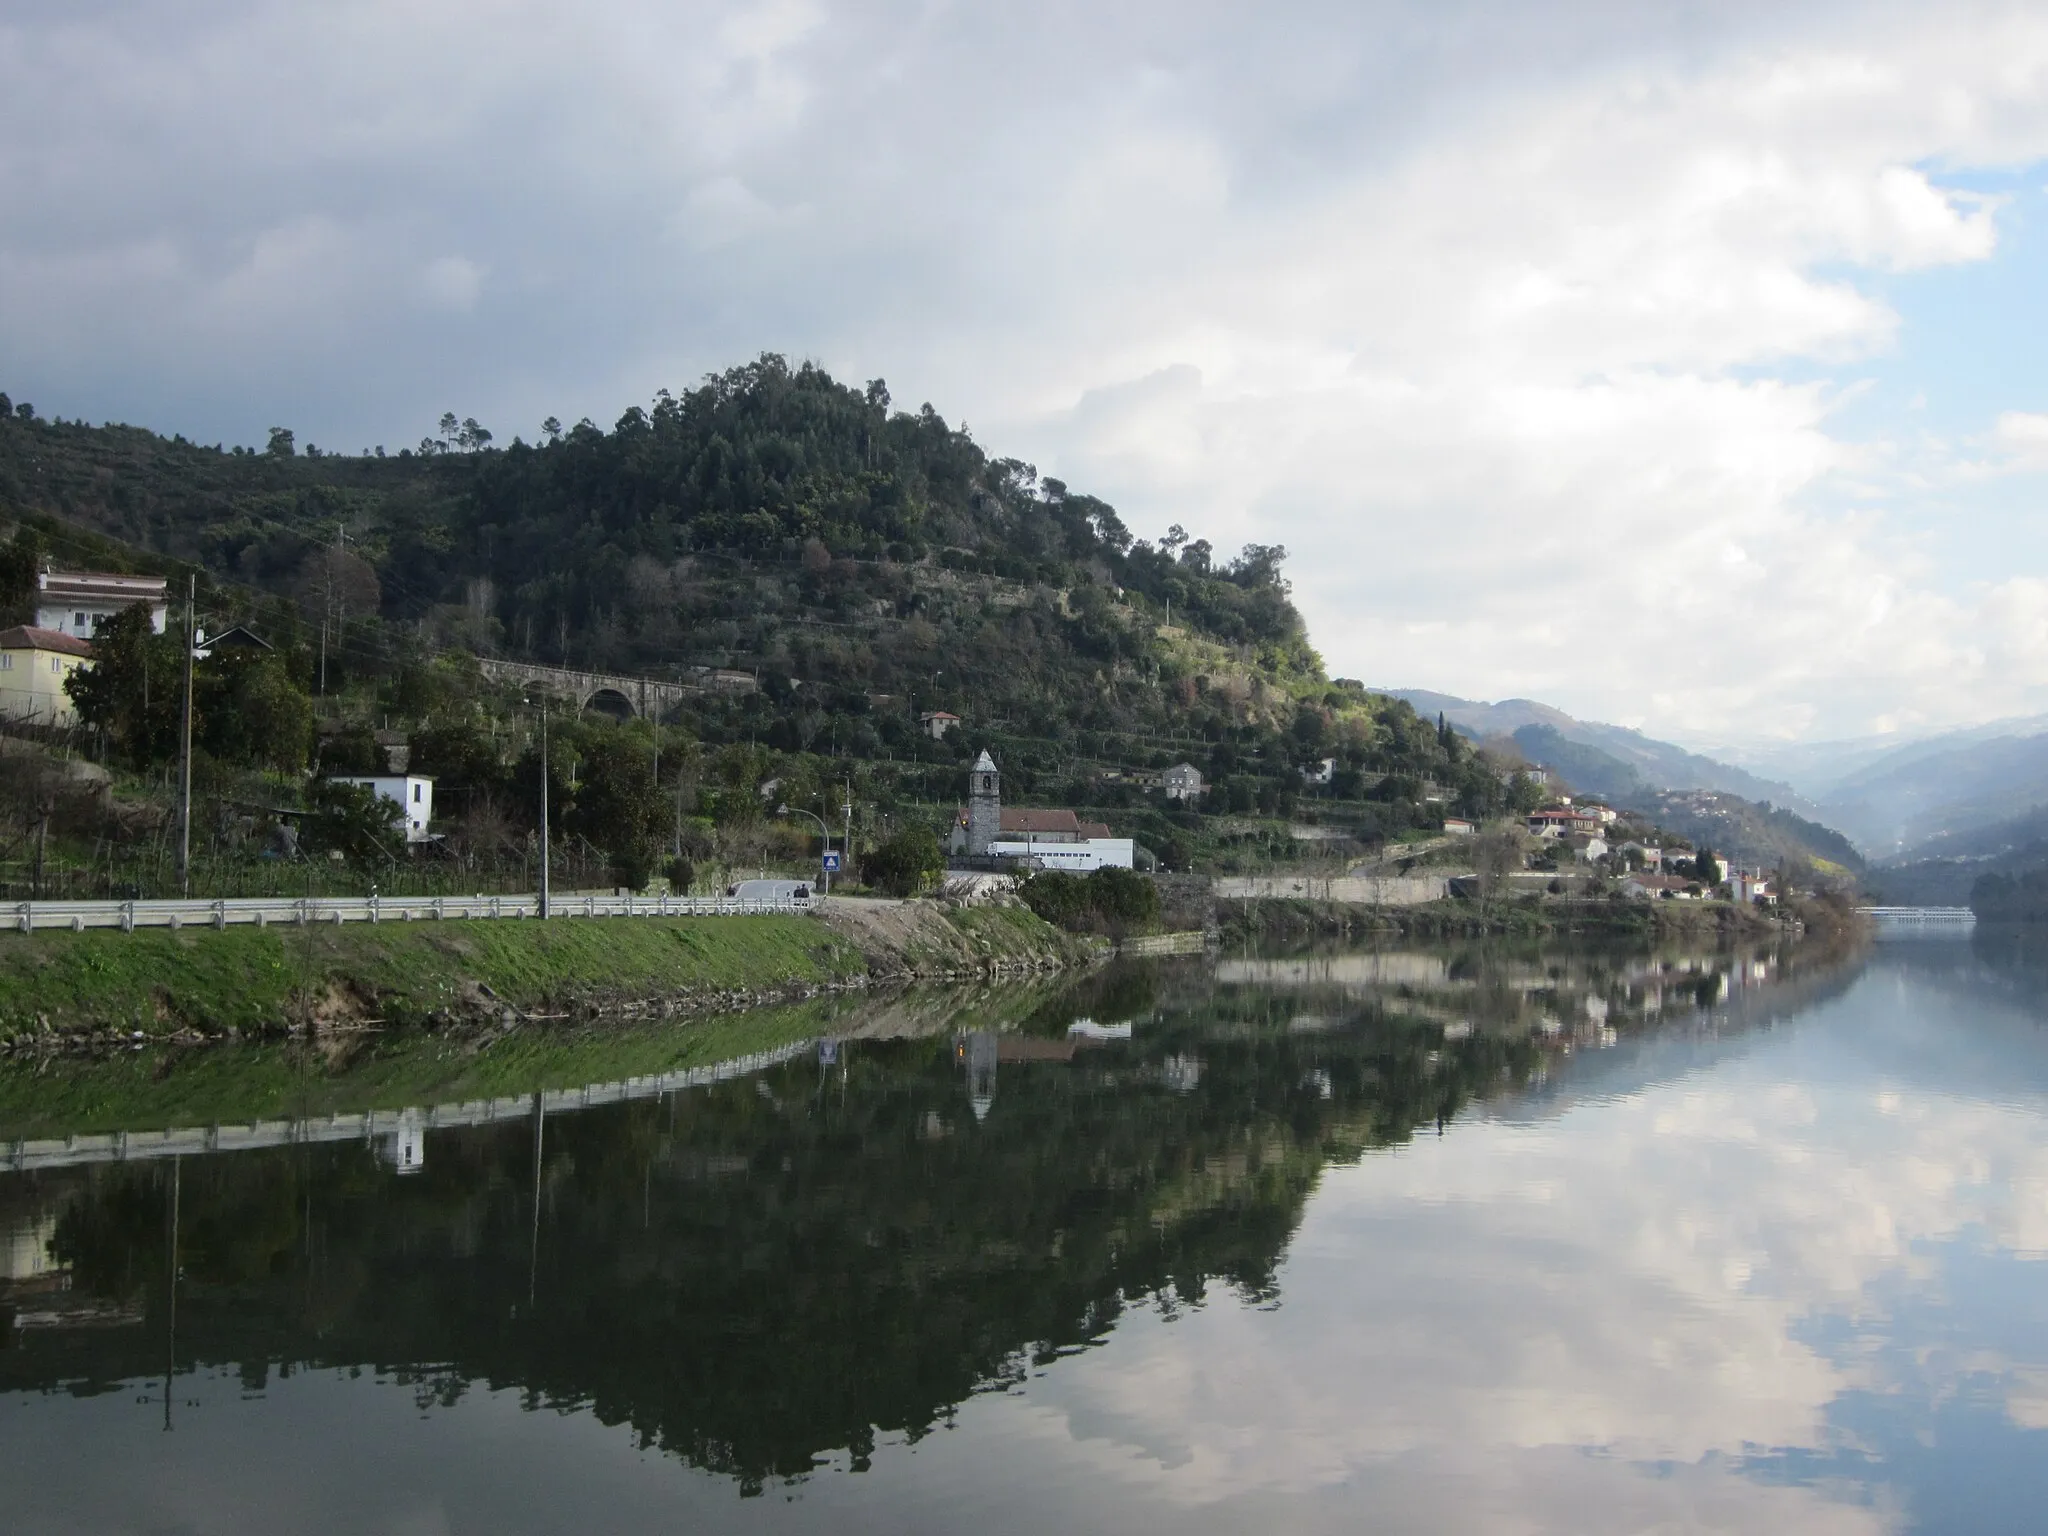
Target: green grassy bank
259	979
56	986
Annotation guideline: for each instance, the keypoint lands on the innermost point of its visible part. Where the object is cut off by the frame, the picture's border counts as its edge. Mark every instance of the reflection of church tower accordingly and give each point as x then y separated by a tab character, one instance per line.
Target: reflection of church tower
984	806
977	1052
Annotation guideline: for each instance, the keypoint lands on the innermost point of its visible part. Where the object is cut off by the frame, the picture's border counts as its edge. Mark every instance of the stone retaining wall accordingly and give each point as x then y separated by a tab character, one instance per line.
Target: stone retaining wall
1355	890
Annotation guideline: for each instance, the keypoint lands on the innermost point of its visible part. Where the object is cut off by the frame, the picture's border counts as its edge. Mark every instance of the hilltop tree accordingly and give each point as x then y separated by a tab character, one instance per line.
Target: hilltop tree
20	558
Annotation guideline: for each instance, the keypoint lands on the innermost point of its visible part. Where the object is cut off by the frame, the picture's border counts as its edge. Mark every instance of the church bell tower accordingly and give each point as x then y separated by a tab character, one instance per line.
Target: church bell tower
984	806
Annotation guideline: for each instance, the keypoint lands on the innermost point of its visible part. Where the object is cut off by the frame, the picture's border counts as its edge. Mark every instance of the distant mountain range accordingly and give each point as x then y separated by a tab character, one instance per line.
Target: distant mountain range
1922	799
1549	736
1714	803
1941	871
1953	799
1816	768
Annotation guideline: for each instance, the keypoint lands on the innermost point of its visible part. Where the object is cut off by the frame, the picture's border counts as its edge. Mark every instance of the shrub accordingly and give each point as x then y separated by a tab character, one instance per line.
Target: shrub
354	821
908	864
1109	901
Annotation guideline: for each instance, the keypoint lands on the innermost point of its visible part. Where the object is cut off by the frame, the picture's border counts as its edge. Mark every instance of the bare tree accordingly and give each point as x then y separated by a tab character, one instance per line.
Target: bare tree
1496	853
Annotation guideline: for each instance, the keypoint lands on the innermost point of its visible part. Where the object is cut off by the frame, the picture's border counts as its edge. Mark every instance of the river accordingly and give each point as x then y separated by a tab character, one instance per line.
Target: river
1464	1239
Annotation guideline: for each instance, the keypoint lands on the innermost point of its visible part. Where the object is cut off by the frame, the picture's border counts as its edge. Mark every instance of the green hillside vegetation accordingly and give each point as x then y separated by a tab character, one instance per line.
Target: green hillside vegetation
858	564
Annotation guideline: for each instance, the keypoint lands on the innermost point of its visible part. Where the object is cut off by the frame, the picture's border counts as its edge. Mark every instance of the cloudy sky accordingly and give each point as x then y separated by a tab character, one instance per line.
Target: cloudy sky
1679	365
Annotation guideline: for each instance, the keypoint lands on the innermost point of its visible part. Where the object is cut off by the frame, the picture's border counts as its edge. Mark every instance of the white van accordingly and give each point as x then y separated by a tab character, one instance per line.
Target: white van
798	891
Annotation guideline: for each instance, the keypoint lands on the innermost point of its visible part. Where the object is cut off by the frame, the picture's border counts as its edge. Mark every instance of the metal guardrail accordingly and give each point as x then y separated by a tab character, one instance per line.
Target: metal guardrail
262	911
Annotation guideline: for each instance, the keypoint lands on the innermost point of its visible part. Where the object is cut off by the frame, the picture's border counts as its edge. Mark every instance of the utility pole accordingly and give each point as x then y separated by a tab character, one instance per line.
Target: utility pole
328	610
846	842
185	744
543	824
678	814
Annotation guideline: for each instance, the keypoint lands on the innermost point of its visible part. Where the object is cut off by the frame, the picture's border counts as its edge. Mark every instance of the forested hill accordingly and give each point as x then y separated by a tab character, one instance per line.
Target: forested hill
859	564
770	519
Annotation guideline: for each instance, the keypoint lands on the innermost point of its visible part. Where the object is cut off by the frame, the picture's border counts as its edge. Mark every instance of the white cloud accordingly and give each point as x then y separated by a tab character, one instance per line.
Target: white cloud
452	282
1511	326
2024	435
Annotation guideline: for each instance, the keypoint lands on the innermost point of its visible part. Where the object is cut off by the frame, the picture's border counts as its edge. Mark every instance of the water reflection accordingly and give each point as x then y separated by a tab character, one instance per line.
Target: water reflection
1394	1238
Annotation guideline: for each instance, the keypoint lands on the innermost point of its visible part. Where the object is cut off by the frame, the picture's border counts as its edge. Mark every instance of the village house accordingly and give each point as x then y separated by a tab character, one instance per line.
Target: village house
1749	887
1458	826
73	602
412	793
1562	821
1650	858
1183	781
34	663
936	723
1657	887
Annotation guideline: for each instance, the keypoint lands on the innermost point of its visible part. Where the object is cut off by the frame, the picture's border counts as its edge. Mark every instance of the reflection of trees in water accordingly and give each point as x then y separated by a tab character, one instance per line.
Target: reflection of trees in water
762	1272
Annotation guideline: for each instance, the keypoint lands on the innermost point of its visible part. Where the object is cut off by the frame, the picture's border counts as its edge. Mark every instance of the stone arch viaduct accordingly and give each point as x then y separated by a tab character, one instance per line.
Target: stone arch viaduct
612	693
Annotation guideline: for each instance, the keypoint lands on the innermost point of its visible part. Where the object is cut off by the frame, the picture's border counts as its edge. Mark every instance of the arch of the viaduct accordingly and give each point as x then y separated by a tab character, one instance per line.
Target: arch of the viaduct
646	698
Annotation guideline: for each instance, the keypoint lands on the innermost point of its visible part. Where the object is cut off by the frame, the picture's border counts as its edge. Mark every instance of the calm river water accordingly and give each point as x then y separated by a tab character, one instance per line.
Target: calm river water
1462	1240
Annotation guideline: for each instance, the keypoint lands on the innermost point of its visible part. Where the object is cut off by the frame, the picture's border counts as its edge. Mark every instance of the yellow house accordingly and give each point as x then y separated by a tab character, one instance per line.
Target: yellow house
33	665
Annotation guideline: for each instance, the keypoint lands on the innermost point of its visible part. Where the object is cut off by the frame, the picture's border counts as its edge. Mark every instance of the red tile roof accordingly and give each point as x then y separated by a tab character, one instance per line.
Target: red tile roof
1025	820
26	637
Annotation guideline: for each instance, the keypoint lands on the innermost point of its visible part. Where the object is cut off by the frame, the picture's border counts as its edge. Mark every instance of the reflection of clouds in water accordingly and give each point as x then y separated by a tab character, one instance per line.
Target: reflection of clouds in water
1639	1278
2027	1402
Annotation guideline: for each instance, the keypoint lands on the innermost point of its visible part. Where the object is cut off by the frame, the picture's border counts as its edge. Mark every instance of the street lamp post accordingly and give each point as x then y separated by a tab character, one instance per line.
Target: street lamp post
544	835
823	831
185	744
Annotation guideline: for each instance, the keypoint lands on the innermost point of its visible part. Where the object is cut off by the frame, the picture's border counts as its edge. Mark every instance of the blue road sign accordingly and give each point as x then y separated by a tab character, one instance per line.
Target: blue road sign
831	863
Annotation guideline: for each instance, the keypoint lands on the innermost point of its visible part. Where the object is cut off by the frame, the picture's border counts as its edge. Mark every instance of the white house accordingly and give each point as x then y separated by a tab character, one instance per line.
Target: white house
1322	773
1748	887
1458	826
937	723
412	792
72	602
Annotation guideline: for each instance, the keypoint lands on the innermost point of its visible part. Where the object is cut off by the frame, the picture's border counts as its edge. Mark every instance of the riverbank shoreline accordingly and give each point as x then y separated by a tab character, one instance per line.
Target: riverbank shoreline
97	991
1271	918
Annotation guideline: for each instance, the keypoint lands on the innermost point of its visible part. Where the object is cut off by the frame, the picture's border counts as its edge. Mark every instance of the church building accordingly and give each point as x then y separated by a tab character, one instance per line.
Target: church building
1039	838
